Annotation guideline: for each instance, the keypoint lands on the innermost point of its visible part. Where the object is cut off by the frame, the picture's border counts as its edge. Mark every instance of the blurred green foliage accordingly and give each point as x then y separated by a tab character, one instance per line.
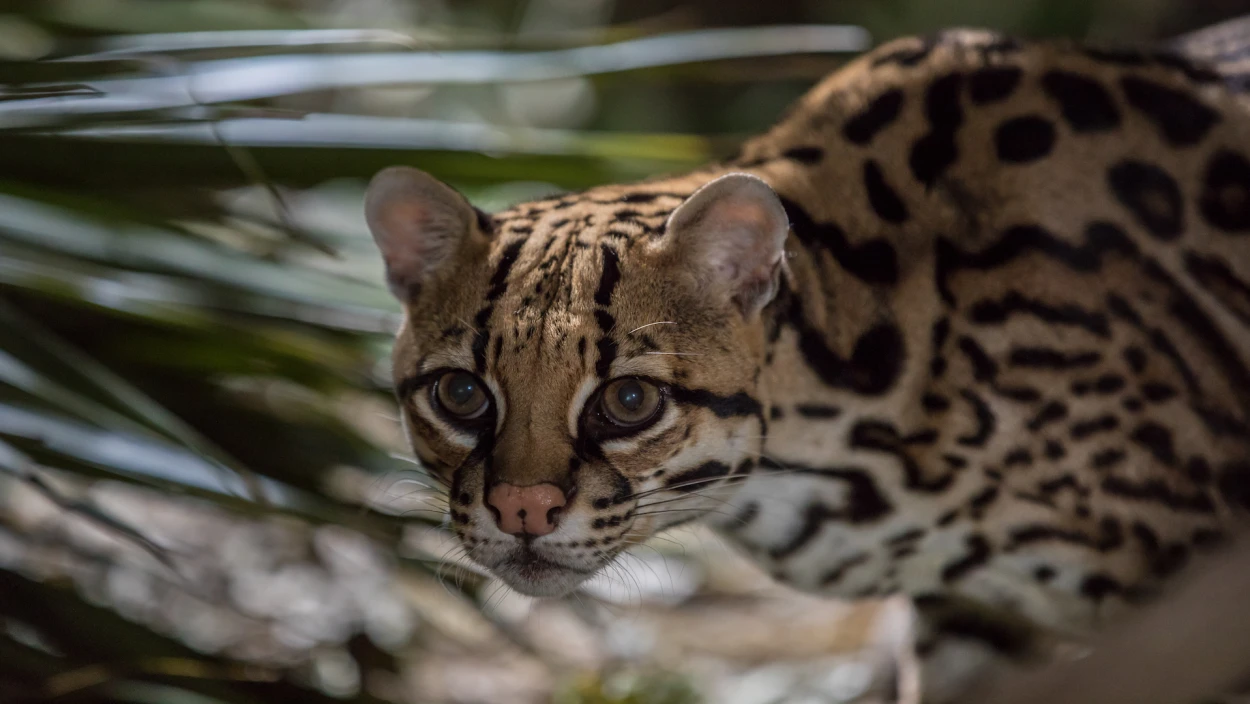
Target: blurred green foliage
628	689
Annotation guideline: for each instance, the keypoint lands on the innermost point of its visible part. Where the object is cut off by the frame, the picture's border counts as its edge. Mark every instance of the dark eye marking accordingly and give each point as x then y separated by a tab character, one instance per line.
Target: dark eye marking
698	478
739	404
410	385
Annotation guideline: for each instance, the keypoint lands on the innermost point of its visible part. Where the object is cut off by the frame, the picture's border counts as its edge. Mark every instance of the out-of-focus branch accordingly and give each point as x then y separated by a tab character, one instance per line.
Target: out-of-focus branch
1193	643
235	80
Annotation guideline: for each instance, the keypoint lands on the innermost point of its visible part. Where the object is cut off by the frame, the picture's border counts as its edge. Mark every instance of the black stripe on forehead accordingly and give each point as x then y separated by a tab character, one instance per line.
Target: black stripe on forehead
499	281
608	280
498	284
606	345
480	342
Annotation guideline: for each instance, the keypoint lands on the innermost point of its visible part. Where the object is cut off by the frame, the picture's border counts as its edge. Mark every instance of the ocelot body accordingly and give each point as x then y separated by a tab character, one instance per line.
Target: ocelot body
971	324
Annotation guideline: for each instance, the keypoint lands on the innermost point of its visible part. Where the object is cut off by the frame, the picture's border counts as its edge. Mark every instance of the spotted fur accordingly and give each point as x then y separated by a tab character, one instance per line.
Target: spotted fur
1004	370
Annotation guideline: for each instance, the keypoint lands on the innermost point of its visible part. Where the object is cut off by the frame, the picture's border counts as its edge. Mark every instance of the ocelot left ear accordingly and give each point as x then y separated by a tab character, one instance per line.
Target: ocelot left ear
421	226
731	234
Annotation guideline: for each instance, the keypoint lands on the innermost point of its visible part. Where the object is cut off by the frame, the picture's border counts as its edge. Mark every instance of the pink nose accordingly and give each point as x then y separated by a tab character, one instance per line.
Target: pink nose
526	509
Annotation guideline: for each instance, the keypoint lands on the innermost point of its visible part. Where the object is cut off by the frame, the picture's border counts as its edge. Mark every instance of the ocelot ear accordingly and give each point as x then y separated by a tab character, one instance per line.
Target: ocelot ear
731	233
420	224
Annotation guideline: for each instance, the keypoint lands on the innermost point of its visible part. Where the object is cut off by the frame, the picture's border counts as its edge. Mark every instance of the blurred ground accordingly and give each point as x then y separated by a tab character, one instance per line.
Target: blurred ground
332	606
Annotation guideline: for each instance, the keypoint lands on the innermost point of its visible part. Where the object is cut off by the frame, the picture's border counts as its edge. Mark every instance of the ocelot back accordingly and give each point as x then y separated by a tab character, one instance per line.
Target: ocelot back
971	323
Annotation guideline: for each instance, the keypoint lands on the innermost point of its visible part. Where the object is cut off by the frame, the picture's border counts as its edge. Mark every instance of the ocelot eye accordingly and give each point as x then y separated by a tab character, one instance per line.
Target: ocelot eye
629	403
461	394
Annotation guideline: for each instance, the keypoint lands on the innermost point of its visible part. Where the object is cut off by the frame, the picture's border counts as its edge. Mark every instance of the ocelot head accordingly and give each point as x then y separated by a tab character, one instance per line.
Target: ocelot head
582	371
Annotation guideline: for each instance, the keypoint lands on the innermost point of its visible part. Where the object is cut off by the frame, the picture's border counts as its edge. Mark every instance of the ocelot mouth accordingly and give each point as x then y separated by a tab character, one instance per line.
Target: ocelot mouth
533	574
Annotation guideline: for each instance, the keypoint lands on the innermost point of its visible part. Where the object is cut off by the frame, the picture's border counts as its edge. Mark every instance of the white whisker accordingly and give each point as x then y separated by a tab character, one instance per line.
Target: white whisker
658	322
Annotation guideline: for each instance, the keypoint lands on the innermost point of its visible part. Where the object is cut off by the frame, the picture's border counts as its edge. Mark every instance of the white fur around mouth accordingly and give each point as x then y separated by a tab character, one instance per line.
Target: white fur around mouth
532	574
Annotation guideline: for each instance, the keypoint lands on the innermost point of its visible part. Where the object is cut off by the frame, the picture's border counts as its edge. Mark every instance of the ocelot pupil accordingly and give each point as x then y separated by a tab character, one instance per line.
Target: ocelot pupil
461	389
631	396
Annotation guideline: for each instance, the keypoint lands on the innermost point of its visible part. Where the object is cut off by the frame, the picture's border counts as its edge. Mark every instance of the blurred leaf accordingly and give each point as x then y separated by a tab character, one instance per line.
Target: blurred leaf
105	657
127	408
171	86
127	16
357	131
60	90
51	161
52	438
92	513
12	460
44	225
126	46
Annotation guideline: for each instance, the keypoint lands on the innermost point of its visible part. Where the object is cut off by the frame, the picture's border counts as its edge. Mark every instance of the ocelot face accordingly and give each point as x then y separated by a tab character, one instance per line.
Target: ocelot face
578	377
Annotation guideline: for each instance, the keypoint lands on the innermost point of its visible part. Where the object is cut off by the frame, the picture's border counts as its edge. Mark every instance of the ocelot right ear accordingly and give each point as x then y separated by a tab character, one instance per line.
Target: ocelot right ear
731	235
420	225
